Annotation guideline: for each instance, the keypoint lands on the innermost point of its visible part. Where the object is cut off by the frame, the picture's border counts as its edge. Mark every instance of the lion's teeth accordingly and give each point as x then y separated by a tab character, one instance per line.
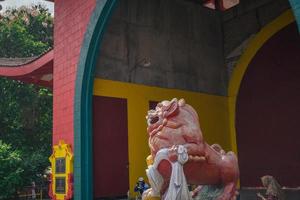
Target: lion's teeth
196	158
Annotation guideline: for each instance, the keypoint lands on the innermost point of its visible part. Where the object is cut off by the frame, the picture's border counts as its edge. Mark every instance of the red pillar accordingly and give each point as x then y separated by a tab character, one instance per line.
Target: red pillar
71	19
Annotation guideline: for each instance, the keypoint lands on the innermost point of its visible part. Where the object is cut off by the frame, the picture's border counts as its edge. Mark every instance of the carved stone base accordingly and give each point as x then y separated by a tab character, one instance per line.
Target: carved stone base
209	192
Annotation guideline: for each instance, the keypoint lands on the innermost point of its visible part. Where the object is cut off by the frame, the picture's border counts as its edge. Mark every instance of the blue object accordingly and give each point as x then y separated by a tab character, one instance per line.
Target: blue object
141	186
296	8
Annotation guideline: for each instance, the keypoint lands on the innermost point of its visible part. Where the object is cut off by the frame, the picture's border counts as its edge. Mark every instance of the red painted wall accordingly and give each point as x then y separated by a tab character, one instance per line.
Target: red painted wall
71	19
268	109
110	147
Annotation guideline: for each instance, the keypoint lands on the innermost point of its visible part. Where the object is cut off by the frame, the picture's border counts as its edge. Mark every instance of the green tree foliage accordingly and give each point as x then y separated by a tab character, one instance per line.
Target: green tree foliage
11	170
25	32
26	125
25	109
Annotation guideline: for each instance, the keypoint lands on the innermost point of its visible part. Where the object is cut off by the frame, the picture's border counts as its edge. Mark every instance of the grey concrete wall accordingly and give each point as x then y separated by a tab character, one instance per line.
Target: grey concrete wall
180	44
243	22
248	18
165	43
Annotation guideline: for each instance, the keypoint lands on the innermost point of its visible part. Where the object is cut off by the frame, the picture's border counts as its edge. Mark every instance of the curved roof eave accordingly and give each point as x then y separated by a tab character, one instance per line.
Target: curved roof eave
36	71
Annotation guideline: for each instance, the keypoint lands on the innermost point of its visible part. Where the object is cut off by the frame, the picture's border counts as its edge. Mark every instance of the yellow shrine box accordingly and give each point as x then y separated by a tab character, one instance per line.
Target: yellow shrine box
61	186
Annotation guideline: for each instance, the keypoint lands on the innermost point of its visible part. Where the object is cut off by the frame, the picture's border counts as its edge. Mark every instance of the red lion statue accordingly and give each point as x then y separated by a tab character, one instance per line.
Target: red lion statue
173	129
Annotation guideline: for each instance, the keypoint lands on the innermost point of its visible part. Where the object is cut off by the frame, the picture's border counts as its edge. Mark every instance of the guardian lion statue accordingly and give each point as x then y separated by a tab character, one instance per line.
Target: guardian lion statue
180	156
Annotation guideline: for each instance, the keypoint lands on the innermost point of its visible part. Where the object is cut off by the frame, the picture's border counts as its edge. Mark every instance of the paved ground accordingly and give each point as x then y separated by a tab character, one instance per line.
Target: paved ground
250	194
245	194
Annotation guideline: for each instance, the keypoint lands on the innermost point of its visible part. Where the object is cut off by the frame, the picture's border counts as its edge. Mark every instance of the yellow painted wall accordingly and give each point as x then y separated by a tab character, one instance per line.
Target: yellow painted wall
212	111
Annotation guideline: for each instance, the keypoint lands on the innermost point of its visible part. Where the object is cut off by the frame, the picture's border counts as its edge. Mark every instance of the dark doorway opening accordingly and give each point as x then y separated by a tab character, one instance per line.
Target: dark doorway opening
267	114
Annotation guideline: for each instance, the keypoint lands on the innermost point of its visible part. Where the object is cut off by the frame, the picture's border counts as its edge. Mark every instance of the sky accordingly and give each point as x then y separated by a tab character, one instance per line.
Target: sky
17	3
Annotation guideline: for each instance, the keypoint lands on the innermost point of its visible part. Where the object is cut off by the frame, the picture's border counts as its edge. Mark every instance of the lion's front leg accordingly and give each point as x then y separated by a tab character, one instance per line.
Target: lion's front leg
194	142
229	192
195	149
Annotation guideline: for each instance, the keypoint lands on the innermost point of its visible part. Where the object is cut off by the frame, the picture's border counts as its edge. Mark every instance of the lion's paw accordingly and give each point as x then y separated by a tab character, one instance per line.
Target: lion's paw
148	195
225	197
